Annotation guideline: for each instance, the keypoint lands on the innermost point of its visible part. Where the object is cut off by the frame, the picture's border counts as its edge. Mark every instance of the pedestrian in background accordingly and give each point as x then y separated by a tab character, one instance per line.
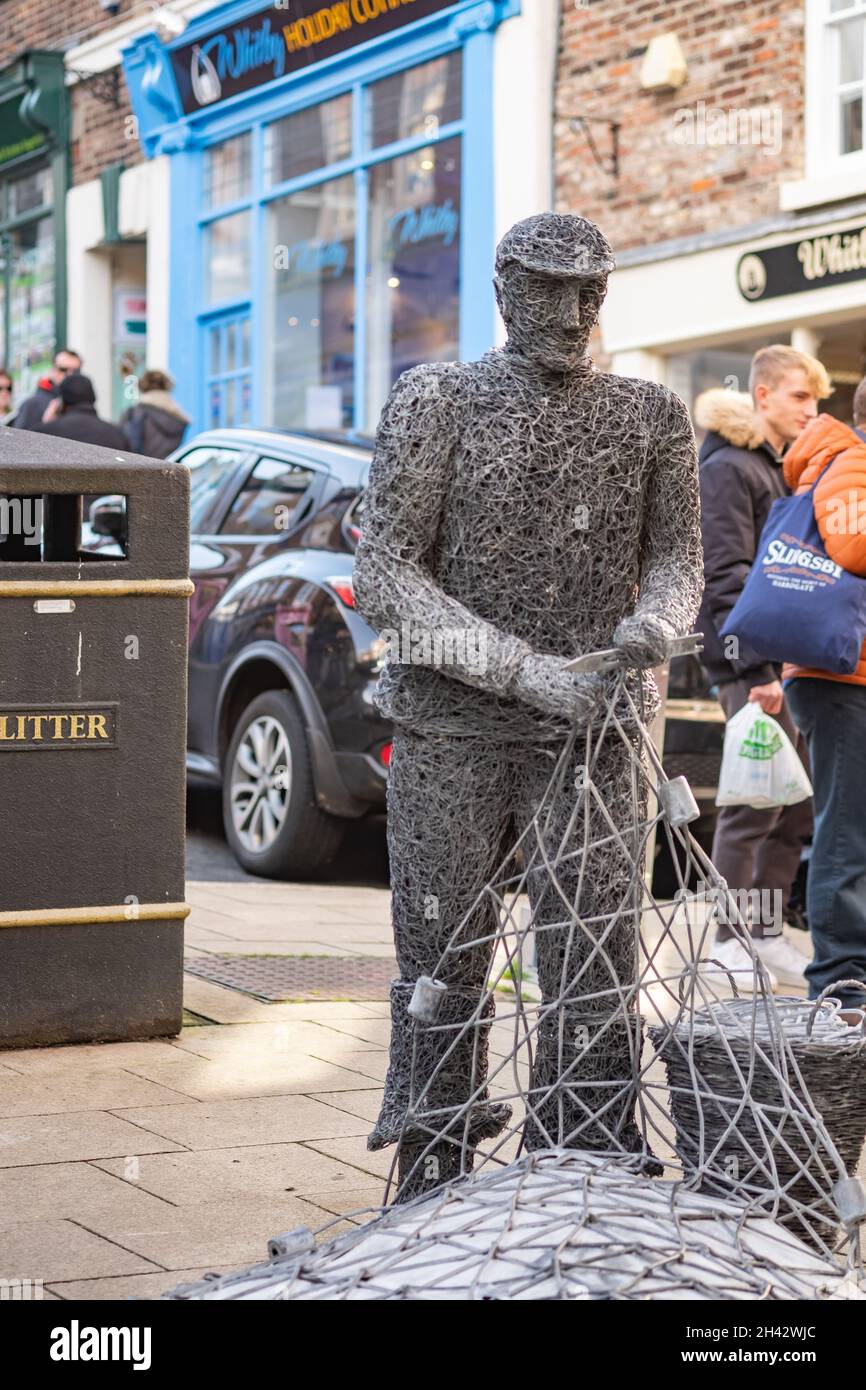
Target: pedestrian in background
31	411
155	425
741	476
831	712
7	411
77	417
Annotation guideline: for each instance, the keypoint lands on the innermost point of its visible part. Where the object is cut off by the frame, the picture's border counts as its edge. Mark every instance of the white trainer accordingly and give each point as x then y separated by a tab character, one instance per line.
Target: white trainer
782	959
734	960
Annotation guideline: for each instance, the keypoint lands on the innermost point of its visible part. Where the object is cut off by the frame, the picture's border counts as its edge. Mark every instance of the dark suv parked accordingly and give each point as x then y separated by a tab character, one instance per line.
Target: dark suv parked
281	666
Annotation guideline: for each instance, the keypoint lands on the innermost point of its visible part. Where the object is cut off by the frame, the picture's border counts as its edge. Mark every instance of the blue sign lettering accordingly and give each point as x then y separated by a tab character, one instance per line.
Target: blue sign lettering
420	224
317	257
244	50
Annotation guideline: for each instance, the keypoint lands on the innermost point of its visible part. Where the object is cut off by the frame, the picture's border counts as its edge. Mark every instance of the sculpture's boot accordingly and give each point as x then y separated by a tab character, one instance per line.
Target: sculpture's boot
436	1105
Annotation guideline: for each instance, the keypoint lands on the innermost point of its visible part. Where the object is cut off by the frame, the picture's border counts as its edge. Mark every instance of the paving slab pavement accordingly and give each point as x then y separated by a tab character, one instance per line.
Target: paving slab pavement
128	1168
241	1103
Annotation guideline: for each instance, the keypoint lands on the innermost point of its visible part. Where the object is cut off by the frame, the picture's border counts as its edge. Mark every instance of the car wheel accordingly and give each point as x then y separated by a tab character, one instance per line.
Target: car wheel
271	818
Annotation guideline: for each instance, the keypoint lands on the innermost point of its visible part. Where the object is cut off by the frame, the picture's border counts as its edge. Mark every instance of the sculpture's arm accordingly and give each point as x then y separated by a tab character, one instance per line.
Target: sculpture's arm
403	506
671	573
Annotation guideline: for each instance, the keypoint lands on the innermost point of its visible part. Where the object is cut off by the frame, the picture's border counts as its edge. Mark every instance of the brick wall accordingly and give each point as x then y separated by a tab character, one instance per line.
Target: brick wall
740	54
101	134
49	24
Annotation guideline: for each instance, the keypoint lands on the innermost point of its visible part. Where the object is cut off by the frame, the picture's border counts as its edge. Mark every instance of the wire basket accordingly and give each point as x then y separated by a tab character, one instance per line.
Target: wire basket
781	1057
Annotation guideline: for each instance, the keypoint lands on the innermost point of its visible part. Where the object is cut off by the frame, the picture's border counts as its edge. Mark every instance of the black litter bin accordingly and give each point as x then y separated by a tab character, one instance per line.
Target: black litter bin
93	662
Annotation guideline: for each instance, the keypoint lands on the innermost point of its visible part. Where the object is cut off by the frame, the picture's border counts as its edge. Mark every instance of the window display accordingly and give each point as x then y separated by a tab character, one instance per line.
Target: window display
227	258
308	139
27	301
227	171
413	269
313	306
360	266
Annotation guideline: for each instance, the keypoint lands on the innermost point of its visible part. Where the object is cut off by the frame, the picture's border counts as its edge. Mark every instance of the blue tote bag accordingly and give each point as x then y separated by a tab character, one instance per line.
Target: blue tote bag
798	605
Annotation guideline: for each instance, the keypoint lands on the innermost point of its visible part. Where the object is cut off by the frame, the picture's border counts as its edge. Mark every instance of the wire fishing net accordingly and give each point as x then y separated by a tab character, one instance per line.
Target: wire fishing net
558	1225
624	1127
759	1099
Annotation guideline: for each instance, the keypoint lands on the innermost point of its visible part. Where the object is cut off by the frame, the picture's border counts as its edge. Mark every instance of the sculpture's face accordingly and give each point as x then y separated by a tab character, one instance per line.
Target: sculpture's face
549	319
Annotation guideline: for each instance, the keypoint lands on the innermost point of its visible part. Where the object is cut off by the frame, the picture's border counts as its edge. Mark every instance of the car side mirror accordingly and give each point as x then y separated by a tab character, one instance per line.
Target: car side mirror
108	516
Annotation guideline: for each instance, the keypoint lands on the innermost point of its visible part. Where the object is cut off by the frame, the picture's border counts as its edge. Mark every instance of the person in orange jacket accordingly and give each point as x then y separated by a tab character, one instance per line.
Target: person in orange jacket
830	711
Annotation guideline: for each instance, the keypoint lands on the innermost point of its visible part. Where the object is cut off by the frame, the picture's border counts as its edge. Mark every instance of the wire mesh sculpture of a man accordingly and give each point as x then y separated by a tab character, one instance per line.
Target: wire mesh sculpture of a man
522	509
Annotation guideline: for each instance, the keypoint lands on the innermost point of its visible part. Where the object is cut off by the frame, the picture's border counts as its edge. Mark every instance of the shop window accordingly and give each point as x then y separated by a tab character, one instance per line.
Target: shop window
414	102
266	502
27	301
836	84
30	192
841	404
690	373
228	172
413	269
311	344
850	41
840	349
335	333
227	258
309	139
228	381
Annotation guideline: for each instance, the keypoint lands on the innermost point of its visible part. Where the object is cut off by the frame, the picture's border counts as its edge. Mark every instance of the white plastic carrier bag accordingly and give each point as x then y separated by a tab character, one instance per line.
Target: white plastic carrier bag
760	765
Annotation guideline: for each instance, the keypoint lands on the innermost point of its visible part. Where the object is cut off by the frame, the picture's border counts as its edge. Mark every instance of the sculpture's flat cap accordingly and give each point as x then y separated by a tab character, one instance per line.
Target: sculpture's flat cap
559	244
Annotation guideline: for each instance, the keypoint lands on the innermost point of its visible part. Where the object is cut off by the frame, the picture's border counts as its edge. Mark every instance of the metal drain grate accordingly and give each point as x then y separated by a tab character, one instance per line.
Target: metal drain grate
277	978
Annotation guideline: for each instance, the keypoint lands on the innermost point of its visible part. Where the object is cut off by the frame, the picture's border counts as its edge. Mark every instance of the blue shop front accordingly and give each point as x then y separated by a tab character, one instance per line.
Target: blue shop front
331	200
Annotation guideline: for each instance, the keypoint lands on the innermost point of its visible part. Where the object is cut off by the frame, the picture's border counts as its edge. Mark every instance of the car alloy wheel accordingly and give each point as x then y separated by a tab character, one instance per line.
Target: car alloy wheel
260	784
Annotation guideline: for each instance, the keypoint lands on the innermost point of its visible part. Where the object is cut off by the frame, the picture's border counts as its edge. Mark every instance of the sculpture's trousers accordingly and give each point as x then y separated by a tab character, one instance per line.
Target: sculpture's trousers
456	807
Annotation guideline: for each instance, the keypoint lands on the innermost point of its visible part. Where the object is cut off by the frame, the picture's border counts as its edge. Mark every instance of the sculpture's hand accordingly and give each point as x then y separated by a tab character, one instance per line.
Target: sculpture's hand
644	640
544	683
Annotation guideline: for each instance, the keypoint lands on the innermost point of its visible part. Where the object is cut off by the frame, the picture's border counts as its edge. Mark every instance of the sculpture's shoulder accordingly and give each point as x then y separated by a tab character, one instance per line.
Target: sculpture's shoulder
649	398
454	379
431	399
427	384
421	403
488	381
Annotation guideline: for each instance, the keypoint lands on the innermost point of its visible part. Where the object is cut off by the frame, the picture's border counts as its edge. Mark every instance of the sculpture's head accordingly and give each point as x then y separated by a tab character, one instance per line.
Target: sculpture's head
551	279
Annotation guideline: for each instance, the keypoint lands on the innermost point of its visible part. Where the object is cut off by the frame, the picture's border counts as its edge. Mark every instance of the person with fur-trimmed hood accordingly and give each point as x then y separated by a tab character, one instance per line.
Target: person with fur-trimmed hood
741	475
155	425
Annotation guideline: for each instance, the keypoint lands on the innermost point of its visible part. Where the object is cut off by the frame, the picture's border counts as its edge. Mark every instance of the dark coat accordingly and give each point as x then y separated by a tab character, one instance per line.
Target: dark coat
154	426
82	422
29	414
740	479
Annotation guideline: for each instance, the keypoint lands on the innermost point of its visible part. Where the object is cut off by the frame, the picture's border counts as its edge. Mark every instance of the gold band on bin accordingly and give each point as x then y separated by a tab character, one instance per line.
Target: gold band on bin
84	916
95	588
